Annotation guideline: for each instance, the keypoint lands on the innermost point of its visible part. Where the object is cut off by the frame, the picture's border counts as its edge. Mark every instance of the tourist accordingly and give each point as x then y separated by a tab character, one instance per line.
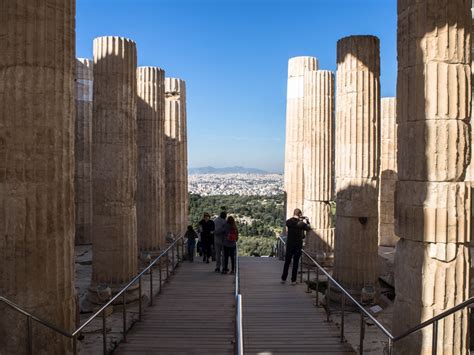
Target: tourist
220	234
206	228
296	228
230	244
191	235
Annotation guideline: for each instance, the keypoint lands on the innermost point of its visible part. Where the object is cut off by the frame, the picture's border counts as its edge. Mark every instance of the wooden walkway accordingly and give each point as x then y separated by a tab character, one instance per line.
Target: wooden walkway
193	315
280	318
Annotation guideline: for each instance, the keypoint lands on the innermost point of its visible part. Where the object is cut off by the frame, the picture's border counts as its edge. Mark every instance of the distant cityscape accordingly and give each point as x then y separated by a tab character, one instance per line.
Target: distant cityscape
244	184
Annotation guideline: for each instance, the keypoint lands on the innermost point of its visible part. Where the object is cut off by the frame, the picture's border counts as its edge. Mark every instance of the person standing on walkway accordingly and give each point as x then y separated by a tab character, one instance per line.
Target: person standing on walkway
206	227
191	236
219	236
230	244
296	226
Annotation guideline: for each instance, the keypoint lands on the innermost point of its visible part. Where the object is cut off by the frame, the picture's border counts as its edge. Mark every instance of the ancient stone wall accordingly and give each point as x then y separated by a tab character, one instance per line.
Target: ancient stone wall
318	158
151	168
114	162
37	69
433	207
82	150
357	161
388	172
294	175
175	153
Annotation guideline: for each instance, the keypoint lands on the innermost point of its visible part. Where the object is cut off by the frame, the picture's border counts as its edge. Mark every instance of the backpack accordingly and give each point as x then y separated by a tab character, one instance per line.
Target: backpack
232	235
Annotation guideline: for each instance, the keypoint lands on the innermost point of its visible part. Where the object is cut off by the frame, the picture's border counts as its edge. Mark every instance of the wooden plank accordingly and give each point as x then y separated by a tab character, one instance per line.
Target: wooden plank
280	318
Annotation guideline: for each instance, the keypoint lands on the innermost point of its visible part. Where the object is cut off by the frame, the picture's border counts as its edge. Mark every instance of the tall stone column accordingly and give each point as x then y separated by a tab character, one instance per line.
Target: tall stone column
318	155
82	150
357	162
150	189
175	152
37	64
433	203
294	176
114	163
388	172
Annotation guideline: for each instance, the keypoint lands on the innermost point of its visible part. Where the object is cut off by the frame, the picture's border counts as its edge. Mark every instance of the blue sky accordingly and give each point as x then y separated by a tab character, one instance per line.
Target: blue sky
233	55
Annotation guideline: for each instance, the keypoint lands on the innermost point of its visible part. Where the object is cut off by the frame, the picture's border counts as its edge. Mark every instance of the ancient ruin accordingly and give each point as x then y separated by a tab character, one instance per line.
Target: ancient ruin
151	168
357	145
318	157
388	172
433	207
82	150
176	212
37	171
294	175
114	163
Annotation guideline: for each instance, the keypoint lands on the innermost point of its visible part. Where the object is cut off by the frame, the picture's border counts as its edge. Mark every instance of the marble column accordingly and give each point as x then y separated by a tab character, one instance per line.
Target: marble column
318	158
294	175
175	153
388	172
114	163
357	162
433	201
37	65
151	172
82	150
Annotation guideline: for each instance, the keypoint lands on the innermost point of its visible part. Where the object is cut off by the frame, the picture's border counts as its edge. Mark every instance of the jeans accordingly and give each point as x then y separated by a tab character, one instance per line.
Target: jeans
206	249
292	252
229	252
219	248
191	246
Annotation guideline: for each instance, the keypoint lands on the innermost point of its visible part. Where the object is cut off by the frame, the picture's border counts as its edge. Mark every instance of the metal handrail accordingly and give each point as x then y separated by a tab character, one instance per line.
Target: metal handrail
239	334
74	334
363	312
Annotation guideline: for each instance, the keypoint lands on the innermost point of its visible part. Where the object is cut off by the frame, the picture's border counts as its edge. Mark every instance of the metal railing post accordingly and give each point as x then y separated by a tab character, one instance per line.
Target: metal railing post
362	334
343	302
301	268
140	299
167	266
434	348
328	300
29	326
104	333
124	314
390	346
161	277
317	287
308	290
151	285
172	260
74	345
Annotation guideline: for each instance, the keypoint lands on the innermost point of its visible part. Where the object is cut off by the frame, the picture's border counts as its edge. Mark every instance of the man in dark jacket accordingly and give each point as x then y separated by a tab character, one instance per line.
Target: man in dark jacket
206	227
296	229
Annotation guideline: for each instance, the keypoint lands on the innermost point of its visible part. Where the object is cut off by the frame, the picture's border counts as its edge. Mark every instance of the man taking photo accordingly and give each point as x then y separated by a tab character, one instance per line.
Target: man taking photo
296	226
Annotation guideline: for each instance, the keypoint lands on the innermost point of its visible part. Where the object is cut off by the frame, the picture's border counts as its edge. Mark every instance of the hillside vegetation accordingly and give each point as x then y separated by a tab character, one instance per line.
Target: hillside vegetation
259	218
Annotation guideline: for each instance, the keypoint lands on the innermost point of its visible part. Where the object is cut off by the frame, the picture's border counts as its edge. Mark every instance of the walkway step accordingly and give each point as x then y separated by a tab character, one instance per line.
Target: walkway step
193	315
281	319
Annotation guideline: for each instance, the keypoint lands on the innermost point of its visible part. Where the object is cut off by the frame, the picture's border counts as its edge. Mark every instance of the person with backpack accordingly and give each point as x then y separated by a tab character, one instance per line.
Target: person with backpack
230	244
191	236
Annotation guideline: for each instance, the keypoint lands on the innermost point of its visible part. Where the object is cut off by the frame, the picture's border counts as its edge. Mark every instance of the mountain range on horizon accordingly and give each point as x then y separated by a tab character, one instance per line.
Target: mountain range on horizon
227	170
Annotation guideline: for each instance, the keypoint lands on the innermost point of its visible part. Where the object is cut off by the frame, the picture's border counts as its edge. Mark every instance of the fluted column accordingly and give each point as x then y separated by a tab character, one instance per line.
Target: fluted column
175	152
388	172
37	65
433	207
82	150
357	161
114	162
318	155
150	189
294	175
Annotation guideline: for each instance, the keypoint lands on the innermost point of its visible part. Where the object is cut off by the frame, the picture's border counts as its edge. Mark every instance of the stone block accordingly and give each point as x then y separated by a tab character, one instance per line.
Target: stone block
357	198
434	150
433	212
